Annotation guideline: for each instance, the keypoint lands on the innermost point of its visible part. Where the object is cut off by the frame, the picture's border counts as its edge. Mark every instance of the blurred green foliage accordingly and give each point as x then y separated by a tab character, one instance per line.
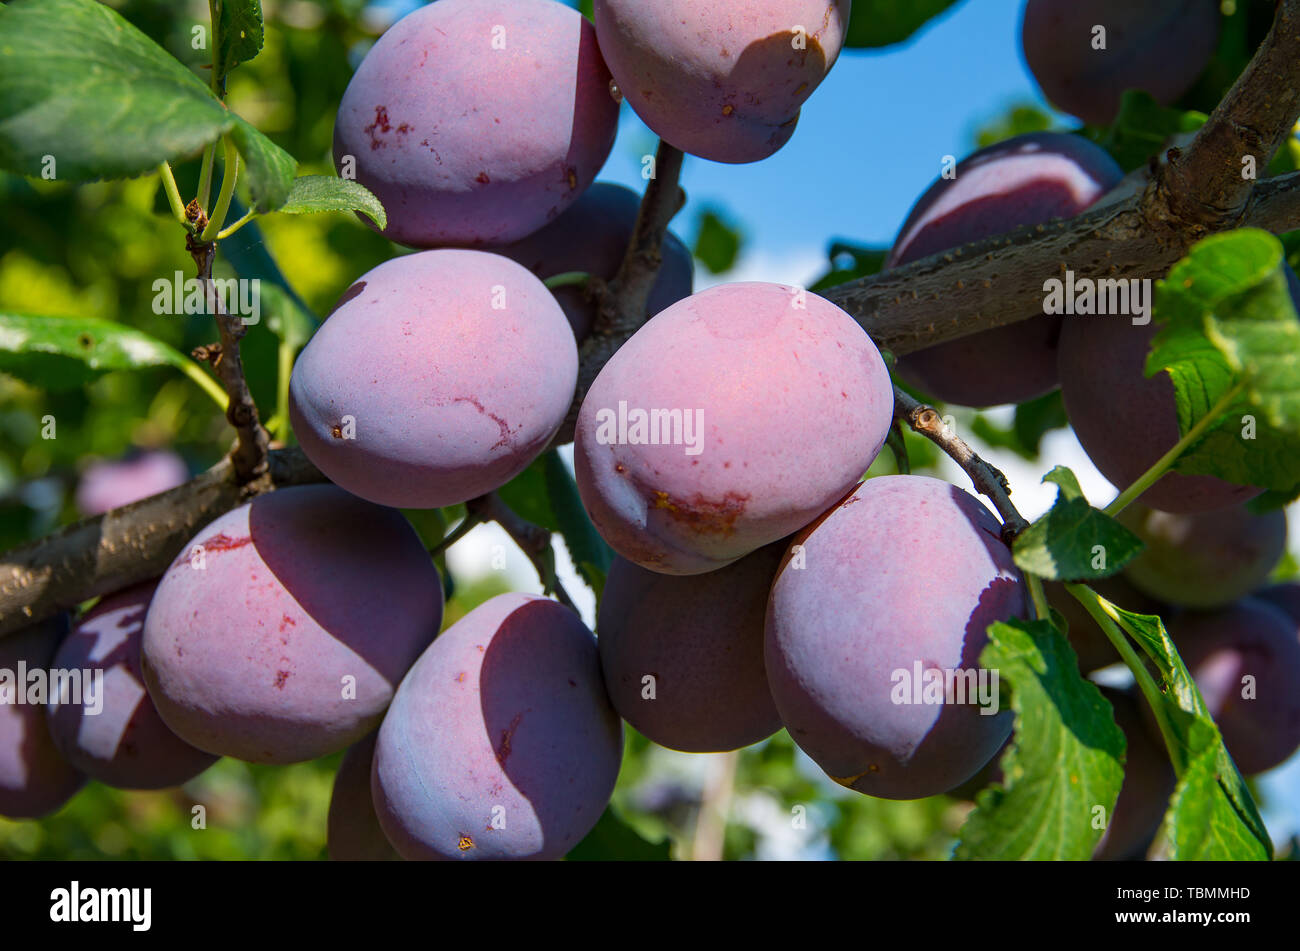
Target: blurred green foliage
96	251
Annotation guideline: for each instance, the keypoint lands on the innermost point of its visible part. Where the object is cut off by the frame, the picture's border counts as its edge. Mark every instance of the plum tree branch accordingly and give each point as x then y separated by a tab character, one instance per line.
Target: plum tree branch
621	302
987	479
1200	190
250	453
979	286
125	546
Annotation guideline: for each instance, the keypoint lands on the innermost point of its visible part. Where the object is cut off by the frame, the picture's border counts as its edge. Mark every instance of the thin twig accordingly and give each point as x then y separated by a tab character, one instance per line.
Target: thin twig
987	479
621	301
533	540
250	452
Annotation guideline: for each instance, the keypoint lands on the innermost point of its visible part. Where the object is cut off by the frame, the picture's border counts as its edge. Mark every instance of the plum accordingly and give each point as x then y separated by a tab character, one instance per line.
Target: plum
1206	559
501	742
476	122
895	584
592	237
1159	46
112	484
354	833
118	738
1025	180
438	378
35	780
282	630
1149	783
781	403
701	638
1126	420
1246	660
719	81
1285	596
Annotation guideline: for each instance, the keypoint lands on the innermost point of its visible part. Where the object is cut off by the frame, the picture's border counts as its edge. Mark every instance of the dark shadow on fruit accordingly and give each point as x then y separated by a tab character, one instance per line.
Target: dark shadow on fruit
343	596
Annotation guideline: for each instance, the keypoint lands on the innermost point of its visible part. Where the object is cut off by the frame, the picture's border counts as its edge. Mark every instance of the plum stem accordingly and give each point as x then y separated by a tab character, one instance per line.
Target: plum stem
621	302
173	194
533	540
987	479
1041	610
568	279
467	525
228	178
1161	465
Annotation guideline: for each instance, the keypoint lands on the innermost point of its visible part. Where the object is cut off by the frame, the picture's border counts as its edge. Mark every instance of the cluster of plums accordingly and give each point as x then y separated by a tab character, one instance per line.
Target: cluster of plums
759	582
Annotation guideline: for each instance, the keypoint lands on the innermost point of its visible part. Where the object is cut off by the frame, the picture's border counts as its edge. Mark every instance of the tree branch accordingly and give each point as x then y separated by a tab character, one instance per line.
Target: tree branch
250	453
987	479
128	545
979	286
533	540
1205	185
621	302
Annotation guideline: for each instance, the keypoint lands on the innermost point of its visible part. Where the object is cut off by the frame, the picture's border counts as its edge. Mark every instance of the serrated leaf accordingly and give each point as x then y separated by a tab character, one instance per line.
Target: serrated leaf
238	24
612	839
312	193
876	23
591	555
268	169
1142	127
1211	815
60	353
80	84
1064	759
1074	540
1228	323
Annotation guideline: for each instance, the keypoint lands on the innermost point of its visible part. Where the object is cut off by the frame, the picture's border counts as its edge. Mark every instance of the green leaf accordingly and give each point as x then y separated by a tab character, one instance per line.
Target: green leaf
1074	540
528	496
717	243
80	84
1211	815
1063	762
612	839
1228	324
285	317
1141	129
268	169
1020	119
1037	417
238	24
311	193
591	555
61	353
876	23
429	524
850	262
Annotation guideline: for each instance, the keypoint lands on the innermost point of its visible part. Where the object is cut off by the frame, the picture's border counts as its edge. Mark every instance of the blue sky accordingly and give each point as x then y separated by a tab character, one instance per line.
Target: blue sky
869	140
